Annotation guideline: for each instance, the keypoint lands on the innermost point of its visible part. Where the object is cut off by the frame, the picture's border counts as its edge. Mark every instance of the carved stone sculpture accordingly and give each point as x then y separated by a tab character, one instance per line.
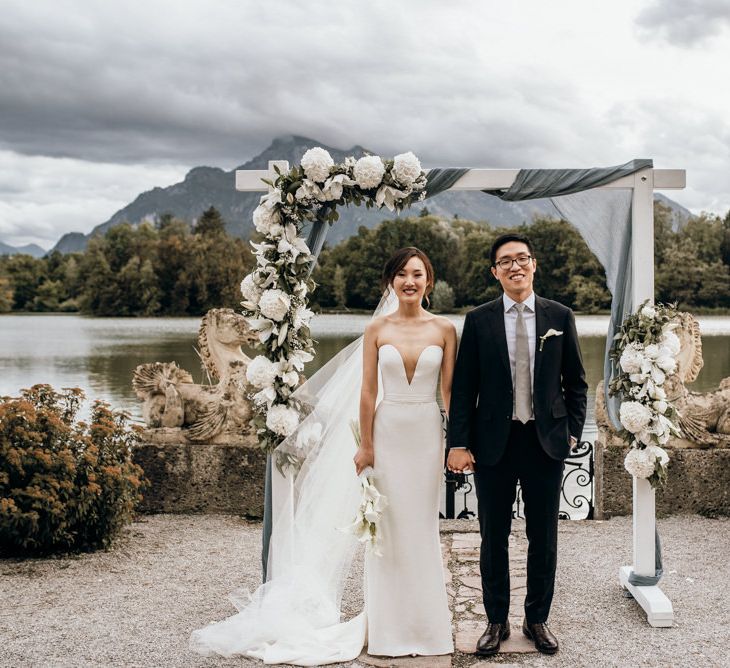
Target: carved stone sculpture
704	417
177	410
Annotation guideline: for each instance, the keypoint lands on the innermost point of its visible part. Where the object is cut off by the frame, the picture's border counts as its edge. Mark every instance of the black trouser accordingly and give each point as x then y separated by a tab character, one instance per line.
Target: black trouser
540	477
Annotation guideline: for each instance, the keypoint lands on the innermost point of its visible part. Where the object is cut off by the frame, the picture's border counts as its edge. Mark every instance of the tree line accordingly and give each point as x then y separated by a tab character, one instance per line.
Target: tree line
692	265
170	268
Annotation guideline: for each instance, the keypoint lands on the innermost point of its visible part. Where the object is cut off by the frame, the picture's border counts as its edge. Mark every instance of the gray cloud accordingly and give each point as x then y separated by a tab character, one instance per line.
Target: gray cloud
684	22
135	93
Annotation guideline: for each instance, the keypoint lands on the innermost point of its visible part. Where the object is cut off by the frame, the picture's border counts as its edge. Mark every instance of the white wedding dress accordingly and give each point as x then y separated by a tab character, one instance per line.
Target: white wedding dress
295	617
405	596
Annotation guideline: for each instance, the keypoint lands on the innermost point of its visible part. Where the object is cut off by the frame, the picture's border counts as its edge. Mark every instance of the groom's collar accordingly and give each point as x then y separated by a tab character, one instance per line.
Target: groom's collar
508	302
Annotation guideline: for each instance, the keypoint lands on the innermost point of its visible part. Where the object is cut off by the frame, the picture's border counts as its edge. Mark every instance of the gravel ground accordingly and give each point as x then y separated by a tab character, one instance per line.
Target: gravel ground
136	604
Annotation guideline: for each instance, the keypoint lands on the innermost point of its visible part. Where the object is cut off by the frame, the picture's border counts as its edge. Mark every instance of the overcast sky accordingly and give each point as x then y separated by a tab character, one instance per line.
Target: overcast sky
101	101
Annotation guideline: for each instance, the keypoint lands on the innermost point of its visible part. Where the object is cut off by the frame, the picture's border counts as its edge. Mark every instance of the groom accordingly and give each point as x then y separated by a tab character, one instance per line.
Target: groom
518	405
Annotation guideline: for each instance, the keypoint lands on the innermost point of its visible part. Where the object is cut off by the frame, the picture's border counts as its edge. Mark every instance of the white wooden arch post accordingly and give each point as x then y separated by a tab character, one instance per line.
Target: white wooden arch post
643	183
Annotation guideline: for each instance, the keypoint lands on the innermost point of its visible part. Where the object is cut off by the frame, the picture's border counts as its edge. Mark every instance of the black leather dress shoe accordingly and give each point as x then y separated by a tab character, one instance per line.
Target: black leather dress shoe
542	636
488	644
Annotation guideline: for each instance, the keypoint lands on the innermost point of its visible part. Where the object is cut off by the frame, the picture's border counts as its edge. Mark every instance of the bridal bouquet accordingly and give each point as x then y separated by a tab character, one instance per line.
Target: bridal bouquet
372	504
646	351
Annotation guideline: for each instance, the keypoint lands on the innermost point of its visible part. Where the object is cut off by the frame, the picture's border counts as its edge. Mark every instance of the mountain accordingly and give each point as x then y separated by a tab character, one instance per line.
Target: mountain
211	186
28	249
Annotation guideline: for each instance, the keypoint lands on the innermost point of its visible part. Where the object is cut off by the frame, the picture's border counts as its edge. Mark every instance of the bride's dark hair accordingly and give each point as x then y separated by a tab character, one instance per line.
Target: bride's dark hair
399	259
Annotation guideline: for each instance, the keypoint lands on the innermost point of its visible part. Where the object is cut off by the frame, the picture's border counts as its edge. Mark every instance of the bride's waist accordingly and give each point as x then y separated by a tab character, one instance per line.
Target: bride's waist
394	398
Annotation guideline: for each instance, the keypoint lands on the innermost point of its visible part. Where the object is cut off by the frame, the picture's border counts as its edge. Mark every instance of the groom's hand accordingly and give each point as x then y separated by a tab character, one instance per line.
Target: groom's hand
460	460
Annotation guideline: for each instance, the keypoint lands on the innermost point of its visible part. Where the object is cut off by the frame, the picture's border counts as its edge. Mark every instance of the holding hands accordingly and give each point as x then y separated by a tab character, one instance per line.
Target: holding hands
460	460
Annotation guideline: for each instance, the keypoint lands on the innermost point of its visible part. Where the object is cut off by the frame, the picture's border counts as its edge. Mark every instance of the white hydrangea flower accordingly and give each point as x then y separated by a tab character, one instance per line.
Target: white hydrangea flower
640	462
670	341
261	372
316	163
652	351
274	304
406	168
632	358
264	218
634	416
648	311
369	171
250	291
655	452
282	419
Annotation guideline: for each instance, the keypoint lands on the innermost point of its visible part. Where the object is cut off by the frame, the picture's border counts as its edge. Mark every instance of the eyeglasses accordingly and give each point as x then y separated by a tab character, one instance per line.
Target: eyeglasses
506	263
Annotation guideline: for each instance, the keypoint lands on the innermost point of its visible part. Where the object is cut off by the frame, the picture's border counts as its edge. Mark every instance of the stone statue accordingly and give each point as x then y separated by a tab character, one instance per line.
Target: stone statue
704	418
176	409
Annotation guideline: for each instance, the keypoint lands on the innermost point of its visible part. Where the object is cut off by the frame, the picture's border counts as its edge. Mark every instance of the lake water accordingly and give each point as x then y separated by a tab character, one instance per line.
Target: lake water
99	355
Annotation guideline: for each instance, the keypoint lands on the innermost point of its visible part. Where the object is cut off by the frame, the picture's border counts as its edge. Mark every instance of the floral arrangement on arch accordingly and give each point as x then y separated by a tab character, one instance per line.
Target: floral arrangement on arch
275	293
646	350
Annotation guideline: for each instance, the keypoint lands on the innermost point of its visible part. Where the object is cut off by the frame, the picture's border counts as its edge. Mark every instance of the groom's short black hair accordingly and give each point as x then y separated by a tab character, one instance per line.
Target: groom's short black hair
503	239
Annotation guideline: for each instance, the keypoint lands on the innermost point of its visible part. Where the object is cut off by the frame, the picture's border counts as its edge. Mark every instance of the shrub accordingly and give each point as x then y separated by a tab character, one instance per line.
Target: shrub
65	485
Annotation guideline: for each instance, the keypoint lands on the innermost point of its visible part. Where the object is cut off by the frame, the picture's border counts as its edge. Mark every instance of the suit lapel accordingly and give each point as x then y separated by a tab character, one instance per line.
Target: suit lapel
542	319
496	323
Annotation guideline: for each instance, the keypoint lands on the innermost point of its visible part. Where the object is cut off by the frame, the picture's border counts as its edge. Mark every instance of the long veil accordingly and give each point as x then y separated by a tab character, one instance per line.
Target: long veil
295	616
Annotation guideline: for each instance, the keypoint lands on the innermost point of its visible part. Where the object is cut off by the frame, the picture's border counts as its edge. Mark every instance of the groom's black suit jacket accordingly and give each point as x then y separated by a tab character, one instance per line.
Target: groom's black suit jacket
480	413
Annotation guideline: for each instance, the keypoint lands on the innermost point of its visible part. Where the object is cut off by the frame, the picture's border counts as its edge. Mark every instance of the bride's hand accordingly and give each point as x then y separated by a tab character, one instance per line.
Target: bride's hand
364	458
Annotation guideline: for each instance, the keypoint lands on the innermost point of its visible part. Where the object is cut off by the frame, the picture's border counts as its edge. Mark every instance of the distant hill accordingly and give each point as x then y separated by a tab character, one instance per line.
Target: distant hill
211	186
28	249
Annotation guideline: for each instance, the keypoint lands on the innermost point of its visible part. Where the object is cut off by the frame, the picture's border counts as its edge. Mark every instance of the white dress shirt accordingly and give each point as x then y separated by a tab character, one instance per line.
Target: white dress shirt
510	330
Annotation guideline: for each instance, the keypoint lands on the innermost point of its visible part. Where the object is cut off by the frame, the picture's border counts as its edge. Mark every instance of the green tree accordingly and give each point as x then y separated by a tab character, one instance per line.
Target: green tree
49	296
211	223
339	287
442	297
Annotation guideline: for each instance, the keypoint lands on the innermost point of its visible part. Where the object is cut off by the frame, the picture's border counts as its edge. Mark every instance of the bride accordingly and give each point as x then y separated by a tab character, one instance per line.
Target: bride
295	617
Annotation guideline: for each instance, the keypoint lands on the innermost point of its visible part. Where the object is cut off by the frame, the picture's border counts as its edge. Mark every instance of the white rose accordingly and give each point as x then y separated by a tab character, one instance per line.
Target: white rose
264	218
282	420
288	375
634	416
316	163
261	372
648	311
250	291
369	171
639	462
670	341
632	357
667	363
660	406
406	168
274	304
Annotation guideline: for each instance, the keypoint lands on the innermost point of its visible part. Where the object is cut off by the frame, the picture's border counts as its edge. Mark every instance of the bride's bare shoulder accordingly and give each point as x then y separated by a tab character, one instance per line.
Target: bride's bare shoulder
444	324
375	325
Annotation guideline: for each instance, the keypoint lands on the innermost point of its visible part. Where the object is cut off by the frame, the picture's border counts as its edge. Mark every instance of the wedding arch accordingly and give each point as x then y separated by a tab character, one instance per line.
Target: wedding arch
611	207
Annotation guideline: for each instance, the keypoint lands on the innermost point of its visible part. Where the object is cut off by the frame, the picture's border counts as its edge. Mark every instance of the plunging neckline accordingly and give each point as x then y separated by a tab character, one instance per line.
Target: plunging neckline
403	362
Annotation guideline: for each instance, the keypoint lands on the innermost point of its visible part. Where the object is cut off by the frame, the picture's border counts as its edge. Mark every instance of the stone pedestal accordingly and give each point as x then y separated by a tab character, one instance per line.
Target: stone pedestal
698	481
203	477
